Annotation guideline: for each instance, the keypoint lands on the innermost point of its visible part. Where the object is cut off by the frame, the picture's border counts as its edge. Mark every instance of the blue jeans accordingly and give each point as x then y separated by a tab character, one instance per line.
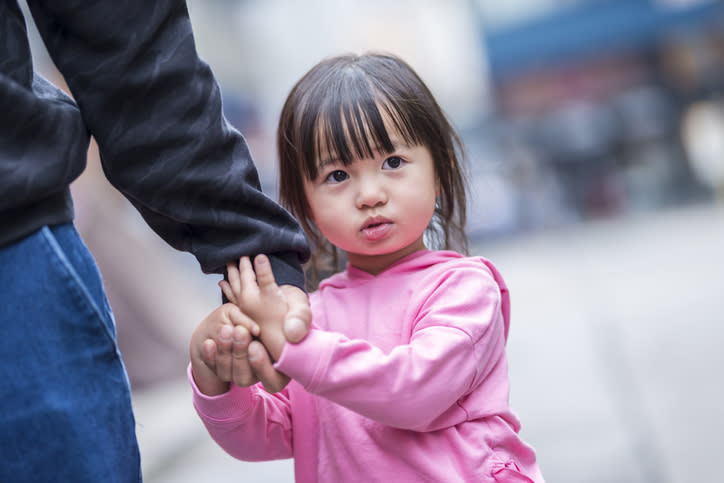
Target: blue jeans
65	400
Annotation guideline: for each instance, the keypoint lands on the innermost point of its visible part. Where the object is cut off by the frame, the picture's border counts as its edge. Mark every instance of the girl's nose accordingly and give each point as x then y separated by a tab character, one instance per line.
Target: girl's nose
370	193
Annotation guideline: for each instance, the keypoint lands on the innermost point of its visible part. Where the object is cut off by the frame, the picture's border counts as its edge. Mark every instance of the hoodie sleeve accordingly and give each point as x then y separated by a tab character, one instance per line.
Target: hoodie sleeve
457	341
154	108
248	423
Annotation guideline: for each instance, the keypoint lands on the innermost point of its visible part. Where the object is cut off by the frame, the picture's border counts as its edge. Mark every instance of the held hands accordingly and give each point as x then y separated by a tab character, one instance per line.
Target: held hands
222	348
260	298
219	351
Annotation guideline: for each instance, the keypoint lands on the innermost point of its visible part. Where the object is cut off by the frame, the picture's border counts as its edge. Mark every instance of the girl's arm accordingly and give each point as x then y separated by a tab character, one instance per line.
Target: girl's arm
248	423
457	342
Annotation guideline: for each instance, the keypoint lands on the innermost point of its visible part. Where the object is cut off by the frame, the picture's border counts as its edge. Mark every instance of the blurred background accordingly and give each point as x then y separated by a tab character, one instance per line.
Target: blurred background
595	137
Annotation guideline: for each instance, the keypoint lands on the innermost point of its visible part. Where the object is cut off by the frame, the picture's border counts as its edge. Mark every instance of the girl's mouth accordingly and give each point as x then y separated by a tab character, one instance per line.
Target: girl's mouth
376	229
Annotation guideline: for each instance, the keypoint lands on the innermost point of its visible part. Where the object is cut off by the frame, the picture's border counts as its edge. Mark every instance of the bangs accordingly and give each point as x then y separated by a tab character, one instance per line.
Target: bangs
352	107
353	121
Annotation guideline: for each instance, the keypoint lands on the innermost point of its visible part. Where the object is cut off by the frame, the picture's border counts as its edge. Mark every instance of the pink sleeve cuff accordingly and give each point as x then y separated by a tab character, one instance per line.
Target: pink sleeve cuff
233	404
306	361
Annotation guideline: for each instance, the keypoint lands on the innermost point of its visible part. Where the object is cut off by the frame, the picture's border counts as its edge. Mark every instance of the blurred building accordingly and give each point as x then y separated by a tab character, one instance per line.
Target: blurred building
590	97
260	48
570	109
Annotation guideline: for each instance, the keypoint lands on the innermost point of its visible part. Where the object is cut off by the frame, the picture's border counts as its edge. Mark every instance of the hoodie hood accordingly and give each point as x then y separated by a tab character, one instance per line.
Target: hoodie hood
420	261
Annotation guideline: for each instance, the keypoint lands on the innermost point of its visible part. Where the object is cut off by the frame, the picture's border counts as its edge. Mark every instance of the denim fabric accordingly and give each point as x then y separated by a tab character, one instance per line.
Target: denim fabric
65	401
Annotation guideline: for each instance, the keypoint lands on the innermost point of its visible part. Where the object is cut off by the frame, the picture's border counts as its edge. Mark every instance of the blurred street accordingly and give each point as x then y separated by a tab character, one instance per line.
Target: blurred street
614	349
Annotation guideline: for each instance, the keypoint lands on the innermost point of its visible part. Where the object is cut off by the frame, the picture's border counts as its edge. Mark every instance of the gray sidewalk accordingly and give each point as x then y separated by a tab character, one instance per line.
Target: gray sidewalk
614	352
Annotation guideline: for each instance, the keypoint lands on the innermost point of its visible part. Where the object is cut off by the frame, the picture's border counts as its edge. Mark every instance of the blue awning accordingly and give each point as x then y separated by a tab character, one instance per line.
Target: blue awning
591	28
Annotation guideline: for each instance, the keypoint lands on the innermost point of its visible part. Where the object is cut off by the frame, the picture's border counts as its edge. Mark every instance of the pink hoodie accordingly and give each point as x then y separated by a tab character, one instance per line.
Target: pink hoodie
402	378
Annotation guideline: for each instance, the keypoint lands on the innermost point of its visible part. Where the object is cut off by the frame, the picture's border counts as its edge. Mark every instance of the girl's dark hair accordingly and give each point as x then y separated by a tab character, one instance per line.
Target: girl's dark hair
339	107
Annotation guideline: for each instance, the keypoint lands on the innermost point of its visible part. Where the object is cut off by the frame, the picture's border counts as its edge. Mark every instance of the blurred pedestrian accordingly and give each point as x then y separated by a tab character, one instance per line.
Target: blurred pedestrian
404	375
154	108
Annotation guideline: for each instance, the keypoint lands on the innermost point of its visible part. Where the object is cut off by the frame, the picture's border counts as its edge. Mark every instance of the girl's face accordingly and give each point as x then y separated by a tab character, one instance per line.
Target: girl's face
375	209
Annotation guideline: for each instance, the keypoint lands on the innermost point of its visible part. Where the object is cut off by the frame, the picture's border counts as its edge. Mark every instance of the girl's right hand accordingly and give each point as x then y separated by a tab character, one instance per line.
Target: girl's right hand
219	351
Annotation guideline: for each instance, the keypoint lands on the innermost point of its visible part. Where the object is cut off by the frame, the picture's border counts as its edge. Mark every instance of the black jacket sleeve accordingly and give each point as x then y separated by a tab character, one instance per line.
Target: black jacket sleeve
154	108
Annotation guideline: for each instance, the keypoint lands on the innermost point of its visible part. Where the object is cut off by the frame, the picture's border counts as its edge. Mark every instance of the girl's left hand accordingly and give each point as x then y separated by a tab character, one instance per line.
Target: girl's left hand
260	298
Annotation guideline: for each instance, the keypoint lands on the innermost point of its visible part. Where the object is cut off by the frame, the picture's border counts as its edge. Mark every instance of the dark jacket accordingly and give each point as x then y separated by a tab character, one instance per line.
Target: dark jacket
154	108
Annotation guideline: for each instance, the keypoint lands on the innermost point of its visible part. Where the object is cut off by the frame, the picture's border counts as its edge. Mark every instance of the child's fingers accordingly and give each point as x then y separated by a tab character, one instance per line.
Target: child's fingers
223	352
226	288
242	373
208	353
273	380
299	315
247	276
232	273
237	317
264	274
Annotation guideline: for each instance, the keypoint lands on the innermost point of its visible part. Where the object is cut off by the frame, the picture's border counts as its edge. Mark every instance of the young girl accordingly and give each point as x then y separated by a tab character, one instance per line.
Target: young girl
403	376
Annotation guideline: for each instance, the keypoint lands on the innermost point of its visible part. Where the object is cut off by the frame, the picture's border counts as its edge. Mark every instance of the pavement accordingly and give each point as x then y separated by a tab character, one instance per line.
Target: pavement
614	350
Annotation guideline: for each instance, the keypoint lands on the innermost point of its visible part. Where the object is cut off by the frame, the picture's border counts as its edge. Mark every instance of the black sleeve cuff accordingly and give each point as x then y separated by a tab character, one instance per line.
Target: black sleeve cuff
286	268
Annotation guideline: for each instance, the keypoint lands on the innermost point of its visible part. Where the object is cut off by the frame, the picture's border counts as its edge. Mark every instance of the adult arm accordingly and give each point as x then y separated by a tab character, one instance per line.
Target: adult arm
154	108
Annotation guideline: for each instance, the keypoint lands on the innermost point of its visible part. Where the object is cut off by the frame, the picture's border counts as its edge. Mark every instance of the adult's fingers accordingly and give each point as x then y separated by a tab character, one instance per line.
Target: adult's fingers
273	380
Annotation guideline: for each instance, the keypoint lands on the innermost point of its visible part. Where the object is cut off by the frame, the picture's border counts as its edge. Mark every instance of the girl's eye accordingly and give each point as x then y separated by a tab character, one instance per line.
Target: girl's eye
393	162
336	176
